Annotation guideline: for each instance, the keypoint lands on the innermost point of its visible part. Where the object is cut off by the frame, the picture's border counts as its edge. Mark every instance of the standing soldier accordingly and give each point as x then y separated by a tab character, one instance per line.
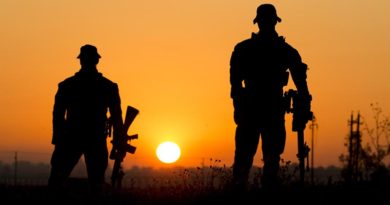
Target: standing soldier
79	121
258	72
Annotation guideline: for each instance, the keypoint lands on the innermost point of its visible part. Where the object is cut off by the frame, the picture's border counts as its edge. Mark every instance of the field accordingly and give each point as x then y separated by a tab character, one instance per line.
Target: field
207	185
358	194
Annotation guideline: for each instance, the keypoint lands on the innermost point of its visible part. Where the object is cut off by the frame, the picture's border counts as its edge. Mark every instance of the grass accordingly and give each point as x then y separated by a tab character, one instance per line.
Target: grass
201	185
172	195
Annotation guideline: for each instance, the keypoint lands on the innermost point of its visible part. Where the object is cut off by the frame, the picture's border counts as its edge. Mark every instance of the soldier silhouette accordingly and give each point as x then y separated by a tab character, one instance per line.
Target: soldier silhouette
79	121
259	69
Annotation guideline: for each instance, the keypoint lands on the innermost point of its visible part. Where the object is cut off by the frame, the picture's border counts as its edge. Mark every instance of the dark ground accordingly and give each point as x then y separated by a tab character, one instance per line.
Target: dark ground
363	193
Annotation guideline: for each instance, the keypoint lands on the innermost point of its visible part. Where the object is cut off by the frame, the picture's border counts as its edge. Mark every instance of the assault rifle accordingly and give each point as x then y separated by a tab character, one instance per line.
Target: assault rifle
300	107
120	147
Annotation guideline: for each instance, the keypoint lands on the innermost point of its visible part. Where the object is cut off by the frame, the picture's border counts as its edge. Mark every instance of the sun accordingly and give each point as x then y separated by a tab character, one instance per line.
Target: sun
168	152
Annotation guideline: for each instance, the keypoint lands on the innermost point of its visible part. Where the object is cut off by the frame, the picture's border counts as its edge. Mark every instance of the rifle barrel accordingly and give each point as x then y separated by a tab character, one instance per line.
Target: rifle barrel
301	156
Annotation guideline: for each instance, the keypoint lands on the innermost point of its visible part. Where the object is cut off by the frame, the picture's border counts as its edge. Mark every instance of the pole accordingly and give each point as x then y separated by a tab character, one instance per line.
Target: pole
357	146
312	126
351	156
16	169
301	157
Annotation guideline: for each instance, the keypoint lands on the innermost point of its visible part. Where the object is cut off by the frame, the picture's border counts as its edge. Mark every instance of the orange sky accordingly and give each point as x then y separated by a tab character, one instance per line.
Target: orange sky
171	60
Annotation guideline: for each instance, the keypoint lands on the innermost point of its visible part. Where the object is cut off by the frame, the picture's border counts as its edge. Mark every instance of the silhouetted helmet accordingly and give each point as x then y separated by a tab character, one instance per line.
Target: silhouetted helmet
88	51
266	11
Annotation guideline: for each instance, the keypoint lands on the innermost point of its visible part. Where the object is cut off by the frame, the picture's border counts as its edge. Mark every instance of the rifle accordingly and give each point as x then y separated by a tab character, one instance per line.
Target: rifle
300	108
120	147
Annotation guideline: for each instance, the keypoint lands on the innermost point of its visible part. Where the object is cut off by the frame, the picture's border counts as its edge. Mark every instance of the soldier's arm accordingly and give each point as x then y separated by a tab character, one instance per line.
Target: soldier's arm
298	71
59	112
236	77
302	101
116	112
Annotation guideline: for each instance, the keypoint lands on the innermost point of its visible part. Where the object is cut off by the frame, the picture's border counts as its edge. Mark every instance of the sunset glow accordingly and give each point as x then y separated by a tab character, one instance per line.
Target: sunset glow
170	60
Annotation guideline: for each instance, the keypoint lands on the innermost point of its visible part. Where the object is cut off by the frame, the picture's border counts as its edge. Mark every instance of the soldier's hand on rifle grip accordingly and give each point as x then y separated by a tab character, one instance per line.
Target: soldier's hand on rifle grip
302	111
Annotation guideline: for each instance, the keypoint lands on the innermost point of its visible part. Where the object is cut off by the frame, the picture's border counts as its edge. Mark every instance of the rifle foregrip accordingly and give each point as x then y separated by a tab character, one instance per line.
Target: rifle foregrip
130	149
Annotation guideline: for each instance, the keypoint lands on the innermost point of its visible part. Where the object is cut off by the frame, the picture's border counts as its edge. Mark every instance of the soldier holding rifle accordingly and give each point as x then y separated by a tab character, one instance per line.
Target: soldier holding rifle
79	121
259	69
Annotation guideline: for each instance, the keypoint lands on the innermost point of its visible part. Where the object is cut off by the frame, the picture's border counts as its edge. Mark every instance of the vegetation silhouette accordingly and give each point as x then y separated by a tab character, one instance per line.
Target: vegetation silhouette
202	185
366	163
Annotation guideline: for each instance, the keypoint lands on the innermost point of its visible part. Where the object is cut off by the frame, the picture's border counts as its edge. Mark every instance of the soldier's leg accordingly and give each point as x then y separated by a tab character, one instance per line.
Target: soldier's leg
273	141
96	160
63	160
246	142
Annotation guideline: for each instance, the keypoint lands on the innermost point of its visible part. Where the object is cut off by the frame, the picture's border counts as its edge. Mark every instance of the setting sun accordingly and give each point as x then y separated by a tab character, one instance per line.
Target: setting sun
168	152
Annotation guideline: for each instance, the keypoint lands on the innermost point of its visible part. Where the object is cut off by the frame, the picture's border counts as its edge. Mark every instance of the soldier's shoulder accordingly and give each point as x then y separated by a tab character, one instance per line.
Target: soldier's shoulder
67	82
285	44
244	44
107	81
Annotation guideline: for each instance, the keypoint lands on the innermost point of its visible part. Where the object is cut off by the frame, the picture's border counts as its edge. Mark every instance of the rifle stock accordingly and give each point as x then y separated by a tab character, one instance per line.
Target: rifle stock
121	147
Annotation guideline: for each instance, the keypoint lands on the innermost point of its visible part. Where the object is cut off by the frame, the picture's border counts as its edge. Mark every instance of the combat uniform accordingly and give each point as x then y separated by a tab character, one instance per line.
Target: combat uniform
79	121
259	69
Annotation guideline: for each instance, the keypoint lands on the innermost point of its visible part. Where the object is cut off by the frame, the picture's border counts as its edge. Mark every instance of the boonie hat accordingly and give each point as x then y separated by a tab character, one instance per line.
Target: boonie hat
88	51
266	11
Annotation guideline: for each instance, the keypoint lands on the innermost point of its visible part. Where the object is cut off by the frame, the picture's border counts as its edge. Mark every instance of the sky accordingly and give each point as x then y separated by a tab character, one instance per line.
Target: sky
171	61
